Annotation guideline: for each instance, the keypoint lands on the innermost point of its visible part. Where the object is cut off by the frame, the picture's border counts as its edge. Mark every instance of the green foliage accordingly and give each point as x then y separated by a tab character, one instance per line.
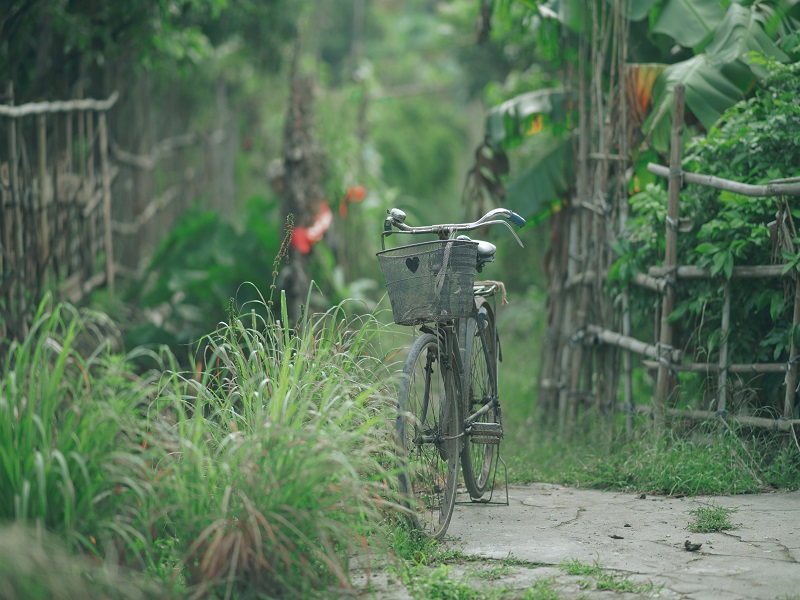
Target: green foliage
35	565
722	70
423	167
154	34
542	589
263	471
68	432
751	144
199	266
711	518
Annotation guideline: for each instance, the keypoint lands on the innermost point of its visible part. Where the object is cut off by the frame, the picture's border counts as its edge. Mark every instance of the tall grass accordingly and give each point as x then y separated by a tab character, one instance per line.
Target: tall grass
67	425
275	459
260	474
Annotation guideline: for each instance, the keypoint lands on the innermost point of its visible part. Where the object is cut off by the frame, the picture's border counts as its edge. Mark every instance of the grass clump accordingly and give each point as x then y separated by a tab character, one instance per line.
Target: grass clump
276	462
576	567
542	589
70	460
711	518
259	474
38	566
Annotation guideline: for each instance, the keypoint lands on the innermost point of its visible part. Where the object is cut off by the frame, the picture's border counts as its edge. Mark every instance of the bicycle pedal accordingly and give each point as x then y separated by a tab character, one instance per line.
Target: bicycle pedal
485	433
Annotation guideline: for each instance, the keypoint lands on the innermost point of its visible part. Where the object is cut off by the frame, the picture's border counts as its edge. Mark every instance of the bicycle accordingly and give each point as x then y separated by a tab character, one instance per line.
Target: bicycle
451	369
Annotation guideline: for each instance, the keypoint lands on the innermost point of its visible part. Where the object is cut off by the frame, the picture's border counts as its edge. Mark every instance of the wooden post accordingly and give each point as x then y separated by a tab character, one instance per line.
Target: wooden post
722	381
791	372
19	243
671	254
44	224
106	203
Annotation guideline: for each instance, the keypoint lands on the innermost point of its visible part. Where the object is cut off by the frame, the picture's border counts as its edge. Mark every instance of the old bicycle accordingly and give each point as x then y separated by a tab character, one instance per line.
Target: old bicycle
448	407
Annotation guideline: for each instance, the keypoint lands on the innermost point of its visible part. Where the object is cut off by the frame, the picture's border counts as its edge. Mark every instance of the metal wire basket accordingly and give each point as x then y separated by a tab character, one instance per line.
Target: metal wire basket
431	281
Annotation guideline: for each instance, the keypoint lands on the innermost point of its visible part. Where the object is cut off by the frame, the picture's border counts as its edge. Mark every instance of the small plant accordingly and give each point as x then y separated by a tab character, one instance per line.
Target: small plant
576	567
711	518
610	582
493	573
542	589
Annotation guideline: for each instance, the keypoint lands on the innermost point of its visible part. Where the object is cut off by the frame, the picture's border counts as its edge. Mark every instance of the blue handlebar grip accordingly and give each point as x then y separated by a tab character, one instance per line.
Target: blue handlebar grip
516	219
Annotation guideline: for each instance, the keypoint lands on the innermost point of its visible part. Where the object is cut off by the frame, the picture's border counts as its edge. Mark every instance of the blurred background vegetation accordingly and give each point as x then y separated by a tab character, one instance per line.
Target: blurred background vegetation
444	108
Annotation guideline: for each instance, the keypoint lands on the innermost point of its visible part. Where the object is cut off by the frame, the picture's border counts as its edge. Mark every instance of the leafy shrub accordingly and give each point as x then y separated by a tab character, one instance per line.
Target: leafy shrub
198	267
753	143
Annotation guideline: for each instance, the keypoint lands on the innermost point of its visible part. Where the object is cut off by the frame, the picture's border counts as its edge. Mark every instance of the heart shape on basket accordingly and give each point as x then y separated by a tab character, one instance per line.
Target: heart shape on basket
412	263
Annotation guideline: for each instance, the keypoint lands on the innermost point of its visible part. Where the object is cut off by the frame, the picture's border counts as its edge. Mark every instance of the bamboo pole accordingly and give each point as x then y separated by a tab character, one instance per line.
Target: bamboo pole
106	203
779	424
38	108
68	142
743	272
745	189
19	244
44	225
791	372
740	368
89	116
722	380
670	260
612	338
657	284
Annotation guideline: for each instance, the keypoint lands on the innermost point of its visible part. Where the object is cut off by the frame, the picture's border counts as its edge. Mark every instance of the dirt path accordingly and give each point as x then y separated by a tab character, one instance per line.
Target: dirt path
638	541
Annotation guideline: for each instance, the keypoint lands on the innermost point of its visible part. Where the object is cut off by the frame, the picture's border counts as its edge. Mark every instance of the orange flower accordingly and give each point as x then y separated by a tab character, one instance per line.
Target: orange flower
354	193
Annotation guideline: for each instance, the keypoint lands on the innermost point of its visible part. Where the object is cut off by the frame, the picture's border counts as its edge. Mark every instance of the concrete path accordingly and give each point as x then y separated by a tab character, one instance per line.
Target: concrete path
639	541
641	538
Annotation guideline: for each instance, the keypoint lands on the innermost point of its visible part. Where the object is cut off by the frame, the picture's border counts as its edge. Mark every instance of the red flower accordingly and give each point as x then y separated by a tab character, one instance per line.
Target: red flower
305	237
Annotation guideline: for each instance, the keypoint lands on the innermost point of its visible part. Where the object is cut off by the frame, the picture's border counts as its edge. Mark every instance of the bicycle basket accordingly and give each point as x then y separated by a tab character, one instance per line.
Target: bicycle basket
421	289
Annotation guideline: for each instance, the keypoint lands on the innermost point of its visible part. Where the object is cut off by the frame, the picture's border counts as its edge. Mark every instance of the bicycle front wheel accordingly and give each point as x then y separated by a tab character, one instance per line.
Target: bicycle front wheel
427	439
481	390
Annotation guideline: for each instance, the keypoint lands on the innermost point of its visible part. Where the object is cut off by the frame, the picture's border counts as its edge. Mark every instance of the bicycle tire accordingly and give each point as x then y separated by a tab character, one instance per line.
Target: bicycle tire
428	471
480	386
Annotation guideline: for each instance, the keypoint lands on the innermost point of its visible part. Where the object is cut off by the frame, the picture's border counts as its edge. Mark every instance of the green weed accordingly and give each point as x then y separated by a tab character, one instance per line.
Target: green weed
576	567
426	583
542	589
615	583
711	518
493	572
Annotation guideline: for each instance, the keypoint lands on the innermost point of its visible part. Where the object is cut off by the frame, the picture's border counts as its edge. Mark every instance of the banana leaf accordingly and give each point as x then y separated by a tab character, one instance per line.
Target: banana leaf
546	179
711	89
689	22
742	32
511	122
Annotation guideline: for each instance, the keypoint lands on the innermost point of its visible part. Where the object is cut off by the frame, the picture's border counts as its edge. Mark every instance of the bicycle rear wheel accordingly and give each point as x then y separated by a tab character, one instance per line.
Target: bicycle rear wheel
480	389
426	433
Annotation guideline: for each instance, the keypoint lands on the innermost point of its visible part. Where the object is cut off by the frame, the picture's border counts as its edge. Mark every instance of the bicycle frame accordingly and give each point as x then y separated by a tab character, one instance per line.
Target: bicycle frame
458	421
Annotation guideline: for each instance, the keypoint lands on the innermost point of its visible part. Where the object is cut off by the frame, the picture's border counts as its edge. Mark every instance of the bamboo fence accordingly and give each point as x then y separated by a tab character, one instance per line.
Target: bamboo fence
589	348
55	190
77	210
665	280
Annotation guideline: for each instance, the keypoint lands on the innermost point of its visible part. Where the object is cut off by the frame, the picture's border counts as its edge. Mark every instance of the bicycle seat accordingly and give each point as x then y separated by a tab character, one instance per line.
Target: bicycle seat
486	250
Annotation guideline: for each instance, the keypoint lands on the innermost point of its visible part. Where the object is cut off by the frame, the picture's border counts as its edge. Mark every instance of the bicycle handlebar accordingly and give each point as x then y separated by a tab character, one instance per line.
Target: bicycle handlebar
396	220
